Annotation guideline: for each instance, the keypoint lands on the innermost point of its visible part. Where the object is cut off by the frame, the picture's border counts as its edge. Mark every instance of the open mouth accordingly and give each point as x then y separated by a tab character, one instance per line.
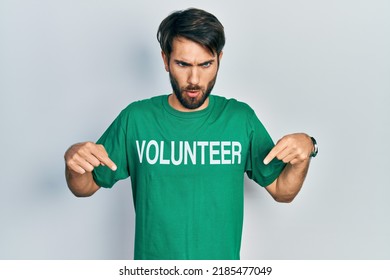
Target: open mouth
192	93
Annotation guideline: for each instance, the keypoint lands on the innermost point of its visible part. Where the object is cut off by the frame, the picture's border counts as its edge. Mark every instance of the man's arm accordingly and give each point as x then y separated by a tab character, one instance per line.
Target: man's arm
80	161
294	150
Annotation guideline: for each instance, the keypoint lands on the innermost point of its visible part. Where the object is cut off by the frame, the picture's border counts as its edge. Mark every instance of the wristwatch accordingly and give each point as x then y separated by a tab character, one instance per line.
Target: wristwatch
315	149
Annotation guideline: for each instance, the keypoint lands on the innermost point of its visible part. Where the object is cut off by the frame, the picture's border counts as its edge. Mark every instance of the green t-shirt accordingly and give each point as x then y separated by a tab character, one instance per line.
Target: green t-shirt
187	174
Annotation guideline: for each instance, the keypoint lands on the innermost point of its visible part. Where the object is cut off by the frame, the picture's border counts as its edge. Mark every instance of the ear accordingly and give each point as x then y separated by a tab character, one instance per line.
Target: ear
166	62
220	56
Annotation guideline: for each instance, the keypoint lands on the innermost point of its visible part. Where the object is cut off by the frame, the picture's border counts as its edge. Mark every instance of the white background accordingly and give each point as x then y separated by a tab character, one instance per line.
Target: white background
323	67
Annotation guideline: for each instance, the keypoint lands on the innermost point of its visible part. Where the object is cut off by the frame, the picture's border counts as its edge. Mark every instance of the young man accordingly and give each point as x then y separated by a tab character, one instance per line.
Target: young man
186	153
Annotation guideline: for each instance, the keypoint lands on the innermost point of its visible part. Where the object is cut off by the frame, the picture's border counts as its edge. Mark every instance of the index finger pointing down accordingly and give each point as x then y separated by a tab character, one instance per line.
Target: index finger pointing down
271	155
105	160
274	152
108	162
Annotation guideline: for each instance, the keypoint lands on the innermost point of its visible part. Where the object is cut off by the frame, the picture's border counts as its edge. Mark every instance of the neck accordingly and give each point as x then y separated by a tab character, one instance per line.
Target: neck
175	104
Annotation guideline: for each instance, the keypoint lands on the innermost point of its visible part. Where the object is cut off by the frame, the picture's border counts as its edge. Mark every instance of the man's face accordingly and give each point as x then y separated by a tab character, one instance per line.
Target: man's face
193	72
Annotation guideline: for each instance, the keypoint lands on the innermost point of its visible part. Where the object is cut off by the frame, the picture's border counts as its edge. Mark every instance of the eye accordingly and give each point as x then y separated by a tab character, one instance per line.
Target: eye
181	64
206	64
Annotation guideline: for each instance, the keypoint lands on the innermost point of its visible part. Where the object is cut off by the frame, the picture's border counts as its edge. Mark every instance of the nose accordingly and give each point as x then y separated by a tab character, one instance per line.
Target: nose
194	76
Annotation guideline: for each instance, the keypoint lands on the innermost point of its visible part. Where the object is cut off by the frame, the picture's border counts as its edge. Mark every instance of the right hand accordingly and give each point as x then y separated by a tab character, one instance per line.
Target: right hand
84	157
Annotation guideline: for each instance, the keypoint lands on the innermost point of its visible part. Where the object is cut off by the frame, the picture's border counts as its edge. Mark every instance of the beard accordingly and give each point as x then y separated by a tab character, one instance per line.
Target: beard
191	102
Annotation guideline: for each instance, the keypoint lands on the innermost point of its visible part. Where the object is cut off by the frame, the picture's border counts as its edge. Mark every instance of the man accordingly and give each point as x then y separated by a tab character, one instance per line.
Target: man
186	153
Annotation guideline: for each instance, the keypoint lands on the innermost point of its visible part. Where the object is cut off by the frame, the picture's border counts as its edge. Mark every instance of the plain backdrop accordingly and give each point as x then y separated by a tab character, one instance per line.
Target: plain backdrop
67	68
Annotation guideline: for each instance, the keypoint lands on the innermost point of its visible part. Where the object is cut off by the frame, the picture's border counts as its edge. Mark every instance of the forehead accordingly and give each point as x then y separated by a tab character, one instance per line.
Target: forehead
188	50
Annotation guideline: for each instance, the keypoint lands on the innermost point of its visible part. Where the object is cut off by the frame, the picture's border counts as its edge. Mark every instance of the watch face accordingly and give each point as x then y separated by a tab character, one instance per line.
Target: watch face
315	151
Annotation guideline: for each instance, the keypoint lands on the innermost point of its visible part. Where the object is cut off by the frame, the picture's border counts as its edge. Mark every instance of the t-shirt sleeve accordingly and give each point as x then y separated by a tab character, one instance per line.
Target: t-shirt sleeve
260	145
114	141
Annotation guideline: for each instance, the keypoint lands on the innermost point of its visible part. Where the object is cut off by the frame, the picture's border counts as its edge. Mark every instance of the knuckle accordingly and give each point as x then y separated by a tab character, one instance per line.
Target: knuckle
74	167
82	153
95	162
68	163
88	145
72	159
283	140
89	168
102	149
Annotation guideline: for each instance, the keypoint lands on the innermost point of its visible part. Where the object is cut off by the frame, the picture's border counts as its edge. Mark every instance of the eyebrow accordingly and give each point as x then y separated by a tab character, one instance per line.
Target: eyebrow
189	64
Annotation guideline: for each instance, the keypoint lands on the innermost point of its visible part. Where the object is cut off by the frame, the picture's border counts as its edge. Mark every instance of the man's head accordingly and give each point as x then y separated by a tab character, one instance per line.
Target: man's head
195	25
191	42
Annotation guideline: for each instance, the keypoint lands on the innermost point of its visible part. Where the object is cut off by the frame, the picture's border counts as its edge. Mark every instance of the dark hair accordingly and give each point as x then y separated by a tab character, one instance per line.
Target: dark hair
195	25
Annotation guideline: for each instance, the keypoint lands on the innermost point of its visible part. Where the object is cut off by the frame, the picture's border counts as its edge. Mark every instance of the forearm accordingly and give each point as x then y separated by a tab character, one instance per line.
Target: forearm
81	185
290	181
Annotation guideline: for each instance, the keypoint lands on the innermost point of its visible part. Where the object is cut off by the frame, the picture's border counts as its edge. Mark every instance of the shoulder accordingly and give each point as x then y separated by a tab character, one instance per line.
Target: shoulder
143	106
139	110
145	103
232	105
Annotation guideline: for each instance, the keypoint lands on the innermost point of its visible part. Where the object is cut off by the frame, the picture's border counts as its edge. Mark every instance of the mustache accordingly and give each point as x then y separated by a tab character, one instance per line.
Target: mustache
192	88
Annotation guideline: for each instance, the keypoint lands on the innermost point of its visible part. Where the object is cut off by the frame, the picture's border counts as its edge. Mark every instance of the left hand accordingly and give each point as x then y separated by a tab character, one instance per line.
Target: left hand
293	148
